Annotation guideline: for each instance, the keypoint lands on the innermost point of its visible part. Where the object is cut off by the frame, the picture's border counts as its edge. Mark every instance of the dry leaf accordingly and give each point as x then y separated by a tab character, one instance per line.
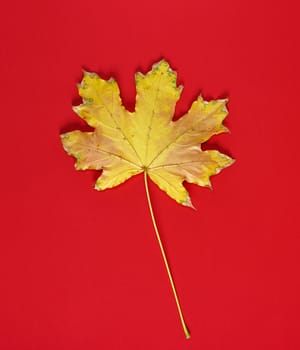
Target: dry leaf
148	140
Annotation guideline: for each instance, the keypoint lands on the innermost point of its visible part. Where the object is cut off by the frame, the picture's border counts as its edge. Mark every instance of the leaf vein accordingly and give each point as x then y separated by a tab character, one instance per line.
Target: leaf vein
179	136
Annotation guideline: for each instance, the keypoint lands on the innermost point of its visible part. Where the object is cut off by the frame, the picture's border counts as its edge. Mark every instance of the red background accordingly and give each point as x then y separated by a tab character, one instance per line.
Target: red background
81	269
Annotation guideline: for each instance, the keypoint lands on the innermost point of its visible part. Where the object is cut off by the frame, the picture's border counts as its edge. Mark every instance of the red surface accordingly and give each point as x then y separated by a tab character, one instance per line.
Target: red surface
81	269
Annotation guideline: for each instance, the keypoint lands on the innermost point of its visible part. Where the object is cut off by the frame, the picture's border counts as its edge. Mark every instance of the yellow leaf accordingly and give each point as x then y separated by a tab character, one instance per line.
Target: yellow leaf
126	144
147	141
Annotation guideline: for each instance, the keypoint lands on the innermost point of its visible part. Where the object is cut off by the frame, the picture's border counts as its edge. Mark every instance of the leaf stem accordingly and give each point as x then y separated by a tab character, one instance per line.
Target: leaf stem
184	326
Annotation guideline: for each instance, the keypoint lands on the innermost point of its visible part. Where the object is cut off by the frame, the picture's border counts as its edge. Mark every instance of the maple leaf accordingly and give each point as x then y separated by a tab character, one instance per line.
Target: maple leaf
147	141
125	144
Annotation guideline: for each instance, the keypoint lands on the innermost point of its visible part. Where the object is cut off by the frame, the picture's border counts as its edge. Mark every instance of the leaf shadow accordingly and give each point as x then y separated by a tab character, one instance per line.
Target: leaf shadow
147	67
185	103
94	174
207	97
212	146
76	100
75	125
103	74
